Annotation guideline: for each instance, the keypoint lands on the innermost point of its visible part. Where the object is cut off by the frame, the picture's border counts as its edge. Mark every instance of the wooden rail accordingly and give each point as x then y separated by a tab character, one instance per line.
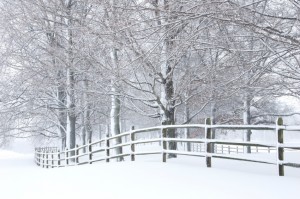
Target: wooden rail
50	157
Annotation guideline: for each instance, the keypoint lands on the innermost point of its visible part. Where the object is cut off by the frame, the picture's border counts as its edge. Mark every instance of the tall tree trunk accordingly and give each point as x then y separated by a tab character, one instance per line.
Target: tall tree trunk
61	93
167	108
71	114
248	93
115	120
187	131
61	111
86	129
115	108
213	108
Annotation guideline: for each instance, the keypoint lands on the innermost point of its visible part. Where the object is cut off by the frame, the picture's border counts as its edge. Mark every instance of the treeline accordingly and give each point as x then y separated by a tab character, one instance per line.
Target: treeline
71	68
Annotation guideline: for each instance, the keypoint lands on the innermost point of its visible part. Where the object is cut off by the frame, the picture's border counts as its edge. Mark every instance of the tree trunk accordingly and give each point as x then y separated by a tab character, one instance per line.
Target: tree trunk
171	133
115	120
187	130
213	121
83	138
71	114
100	131
87	111
115	109
61	112
83	131
167	109
61	116
61	93
247	121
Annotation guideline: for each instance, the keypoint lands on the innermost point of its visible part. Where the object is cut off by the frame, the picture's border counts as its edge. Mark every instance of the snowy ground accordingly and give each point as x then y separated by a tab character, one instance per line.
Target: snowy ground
184	177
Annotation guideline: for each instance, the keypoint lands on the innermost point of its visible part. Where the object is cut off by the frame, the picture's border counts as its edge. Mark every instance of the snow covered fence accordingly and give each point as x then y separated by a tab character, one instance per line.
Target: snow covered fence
102	150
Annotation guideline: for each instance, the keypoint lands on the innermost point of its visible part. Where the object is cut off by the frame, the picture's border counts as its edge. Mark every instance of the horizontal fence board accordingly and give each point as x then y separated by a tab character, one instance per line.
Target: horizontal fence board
119	155
292	128
98	159
82	146
119	135
118	145
245	127
242	159
185	140
147	141
295	146
185	153
74	156
97	142
147	152
295	165
98	150
81	155
70	150
83	163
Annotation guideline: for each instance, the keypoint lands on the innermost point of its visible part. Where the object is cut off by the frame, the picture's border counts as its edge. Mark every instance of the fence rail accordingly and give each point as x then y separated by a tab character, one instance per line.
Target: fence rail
50	157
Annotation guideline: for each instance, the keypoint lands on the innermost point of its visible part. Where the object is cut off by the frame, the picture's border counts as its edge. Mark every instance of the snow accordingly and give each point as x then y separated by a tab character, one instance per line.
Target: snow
147	178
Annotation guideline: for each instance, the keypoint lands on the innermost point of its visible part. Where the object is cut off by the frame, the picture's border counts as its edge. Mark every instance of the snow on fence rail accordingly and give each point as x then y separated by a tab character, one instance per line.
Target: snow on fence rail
101	150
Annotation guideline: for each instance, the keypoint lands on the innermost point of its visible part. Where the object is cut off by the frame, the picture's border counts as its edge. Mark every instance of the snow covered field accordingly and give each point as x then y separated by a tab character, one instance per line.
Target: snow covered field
147	178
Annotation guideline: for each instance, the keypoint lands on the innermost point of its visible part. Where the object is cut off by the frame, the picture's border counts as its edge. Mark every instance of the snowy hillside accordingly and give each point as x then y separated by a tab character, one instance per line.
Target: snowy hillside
149	178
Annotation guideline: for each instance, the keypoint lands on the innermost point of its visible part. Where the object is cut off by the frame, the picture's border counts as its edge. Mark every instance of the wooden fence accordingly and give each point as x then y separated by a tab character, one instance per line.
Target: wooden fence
230	149
212	148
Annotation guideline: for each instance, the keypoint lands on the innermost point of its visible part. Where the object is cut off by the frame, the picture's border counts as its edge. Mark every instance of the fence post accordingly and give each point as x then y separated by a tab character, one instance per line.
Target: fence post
164	145
58	159
280	149
90	152
66	157
39	155
193	147
43	161
52	160
208	144
132	146
107	148
76	154
47	162
35	156
38	158
35	159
